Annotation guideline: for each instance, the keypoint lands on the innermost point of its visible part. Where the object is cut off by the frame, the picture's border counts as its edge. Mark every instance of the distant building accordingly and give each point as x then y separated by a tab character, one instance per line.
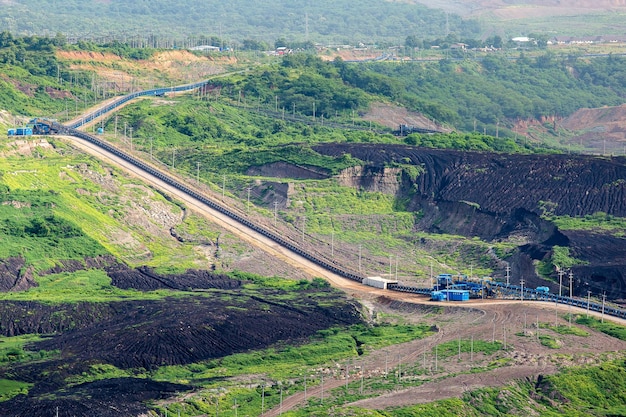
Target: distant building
586	40
283	50
521	39
205	48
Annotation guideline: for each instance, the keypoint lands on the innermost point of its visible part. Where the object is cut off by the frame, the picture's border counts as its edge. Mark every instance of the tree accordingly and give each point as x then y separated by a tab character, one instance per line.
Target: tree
412	41
59	40
280	43
495	41
254	45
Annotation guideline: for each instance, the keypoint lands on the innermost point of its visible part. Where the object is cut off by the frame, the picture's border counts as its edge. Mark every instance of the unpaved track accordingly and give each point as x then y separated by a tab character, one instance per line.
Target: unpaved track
447	377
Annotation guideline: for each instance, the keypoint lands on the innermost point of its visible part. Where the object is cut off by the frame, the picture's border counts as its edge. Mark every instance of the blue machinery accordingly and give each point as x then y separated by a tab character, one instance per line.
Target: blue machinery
488	289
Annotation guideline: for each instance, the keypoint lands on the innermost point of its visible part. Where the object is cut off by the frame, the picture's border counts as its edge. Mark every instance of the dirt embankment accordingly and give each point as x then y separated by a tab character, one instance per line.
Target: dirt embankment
120	74
393	116
603	129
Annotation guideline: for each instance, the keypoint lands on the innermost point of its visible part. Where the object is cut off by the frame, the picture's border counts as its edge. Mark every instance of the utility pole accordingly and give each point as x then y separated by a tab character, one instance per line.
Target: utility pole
537	326
588	299
275	212
386	363
522	284
396	268
560	282
524	322
362	377
360	248
399	369
508	271
224	187
431	274
603	302
248	205
197	169
556	312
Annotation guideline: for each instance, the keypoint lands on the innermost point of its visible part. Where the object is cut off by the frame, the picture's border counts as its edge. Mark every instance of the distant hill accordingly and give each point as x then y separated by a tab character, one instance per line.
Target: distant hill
341	21
556	17
524	8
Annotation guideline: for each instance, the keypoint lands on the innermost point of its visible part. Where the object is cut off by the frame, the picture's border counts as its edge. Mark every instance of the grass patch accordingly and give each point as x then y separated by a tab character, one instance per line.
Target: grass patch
549	341
593	222
612	329
594	390
564	329
10	389
12	349
91	285
99	372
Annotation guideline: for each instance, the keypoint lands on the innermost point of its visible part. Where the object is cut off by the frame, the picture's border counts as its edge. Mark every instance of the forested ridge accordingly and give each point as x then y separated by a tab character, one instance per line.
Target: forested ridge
465	94
336	21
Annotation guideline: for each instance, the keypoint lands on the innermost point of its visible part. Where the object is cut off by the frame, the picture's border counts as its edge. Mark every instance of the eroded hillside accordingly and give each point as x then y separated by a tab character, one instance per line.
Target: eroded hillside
501	196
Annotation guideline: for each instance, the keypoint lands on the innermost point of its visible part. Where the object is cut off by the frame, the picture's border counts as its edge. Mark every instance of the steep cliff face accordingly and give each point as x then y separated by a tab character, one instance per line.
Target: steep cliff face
499	196
372	178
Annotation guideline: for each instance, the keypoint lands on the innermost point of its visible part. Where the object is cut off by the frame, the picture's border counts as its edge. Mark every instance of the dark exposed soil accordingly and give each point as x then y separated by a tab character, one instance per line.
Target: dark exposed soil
111	397
501	196
186	330
14	276
500	183
153	333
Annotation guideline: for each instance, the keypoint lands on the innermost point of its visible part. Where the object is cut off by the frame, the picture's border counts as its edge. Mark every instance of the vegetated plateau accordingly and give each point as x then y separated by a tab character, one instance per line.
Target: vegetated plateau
119	301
